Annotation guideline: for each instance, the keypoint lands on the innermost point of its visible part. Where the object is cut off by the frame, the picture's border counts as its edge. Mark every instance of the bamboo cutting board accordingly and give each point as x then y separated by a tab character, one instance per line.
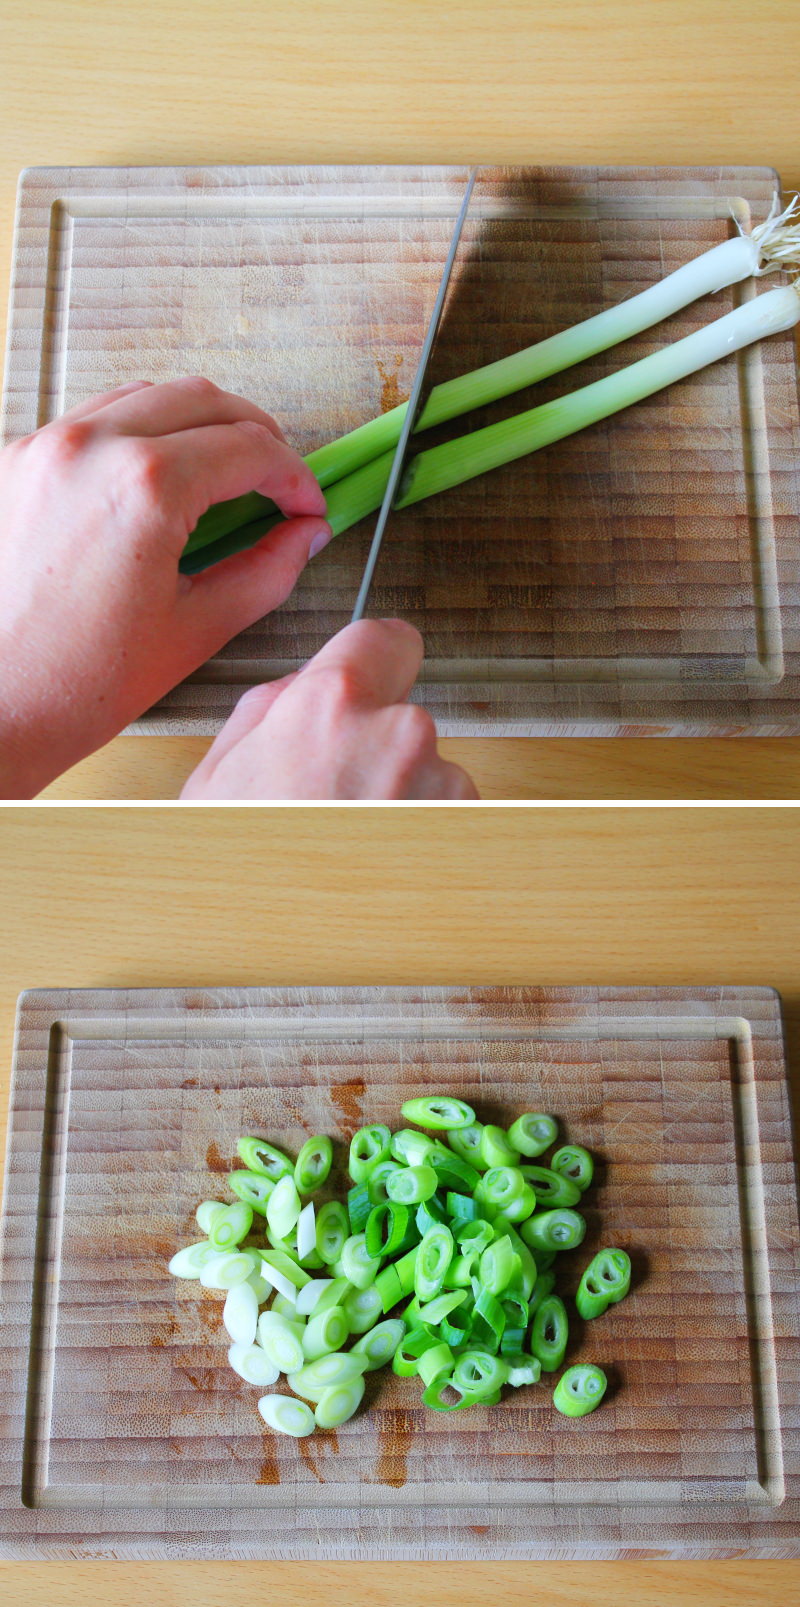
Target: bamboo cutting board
640	578
124	1433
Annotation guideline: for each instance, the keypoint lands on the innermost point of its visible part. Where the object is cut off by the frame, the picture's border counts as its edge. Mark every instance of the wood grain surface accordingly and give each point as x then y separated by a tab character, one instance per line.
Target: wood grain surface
677	82
125	1434
164	896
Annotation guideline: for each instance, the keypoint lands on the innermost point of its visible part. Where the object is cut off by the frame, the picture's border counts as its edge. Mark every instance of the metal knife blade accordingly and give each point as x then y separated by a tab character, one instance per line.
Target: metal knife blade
412	410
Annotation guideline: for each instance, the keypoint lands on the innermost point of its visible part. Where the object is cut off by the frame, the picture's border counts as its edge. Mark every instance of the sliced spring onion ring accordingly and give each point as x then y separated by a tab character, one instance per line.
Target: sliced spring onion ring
496	1148
429	1213
549	1333
287	1416
283	1273
358	1266
580	1389
466	1143
313	1164
282	1341
480	1372
574	1163
381	1344
368	1146
409	1350
232	1226
362	1308
499	1264
240	1314
339	1403
551	1188
386	1229
440	1307
253	1365
264	1158
189	1262
554	1230
409	1147
439	1113
411	1185
206	1214
332	1231
435	1363
283	1207
308	1296
340	1367
253	1189
324	1332
533	1133
306	1231
227	1268
335	1295
524	1370
433	1257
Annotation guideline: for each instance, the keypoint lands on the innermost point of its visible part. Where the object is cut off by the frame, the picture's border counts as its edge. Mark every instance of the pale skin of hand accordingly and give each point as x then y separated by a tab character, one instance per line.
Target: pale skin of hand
97	623
341	728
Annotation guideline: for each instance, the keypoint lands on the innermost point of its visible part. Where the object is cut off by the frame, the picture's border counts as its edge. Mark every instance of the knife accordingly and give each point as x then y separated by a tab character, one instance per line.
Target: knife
412	409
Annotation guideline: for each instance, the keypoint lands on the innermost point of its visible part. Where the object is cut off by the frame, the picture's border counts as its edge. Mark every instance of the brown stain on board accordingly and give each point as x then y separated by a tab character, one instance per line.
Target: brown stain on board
397	1432
158	1341
390	386
214	1161
318	1443
305	1451
268	1473
348	1096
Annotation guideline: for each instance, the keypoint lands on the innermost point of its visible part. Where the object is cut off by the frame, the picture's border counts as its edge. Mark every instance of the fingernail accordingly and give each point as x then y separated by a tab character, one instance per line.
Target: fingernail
321	540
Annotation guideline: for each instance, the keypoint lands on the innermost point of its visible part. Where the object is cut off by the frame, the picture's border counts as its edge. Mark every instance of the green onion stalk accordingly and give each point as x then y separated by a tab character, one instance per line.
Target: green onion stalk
454	462
770	246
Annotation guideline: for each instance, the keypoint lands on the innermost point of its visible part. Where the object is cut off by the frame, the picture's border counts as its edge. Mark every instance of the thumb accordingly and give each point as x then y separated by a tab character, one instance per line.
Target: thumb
225	599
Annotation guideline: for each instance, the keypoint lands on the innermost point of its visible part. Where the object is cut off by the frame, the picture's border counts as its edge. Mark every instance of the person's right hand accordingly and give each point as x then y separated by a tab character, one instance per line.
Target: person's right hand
340	728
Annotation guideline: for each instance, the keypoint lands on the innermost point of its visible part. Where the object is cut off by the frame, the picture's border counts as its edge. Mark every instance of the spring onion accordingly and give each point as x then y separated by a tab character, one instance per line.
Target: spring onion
226	1268
524	1370
362	1308
533	1133
253	1365
324	1332
232	1226
313	1164
409	1147
264	1158
282	1341
499	1265
549	1187
437	1362
770	245
332	1231
306	1232
580	1389
357	1263
341	1367
606	1281
308	1296
368	1146
574	1163
283	1273
429	1213
339	1404
335	1295
386	1229
433	1257
480	1372
189	1262
379	1178
466	1142
440	1113
240	1314
544	1286
380	1346
554	1230
287	1416
411	1185
207	1213
251	1187
283	1207
549	1333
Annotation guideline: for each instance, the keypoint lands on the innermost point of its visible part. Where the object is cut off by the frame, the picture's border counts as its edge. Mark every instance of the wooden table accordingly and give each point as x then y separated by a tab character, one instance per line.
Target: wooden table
384	80
165	896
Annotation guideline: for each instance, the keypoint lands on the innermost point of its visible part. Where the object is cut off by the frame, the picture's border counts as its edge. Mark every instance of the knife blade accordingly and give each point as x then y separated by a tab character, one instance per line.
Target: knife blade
412	410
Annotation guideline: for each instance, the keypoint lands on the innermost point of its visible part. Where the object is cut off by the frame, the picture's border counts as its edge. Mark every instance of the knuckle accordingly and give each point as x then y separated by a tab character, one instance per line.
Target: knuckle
59	445
144	467
414	729
199	385
344	688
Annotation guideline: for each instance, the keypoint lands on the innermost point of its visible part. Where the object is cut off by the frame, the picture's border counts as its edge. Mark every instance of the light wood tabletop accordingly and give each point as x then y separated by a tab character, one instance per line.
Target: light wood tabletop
554	896
381	80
